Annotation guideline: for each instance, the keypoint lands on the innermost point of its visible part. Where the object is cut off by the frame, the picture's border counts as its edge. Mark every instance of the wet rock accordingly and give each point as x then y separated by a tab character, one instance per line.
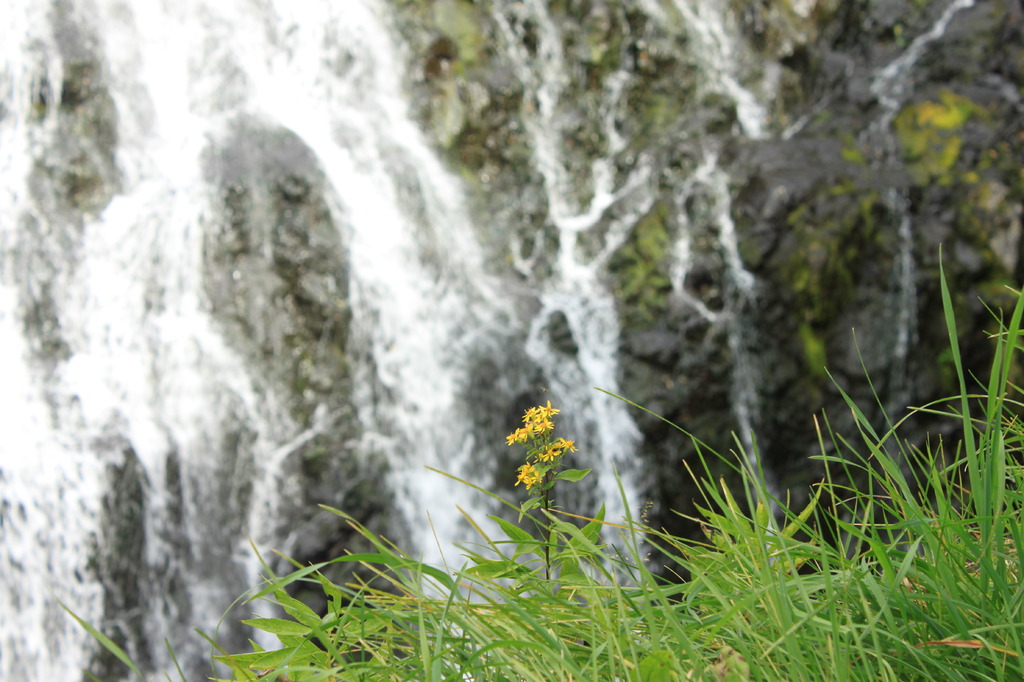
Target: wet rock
276	267
120	553
324	471
76	172
73	177
560	334
818	211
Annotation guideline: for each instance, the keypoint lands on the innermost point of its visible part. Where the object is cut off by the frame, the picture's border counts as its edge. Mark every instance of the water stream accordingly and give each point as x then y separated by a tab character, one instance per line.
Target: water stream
892	85
146	381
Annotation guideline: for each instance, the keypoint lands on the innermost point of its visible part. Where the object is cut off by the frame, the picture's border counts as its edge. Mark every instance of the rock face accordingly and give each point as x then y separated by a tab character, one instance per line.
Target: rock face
890	129
73	174
275	266
276	272
843	221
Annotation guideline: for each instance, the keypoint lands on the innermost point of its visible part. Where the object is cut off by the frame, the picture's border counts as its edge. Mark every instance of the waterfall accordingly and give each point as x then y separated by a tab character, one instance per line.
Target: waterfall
726	66
123	377
723	61
579	199
892	86
422	303
46	514
241	273
745	377
143	429
893	83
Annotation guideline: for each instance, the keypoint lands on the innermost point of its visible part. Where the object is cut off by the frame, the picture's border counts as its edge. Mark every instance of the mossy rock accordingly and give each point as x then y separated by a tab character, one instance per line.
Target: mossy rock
829	243
462	23
928	135
275	264
814	350
640	269
79	167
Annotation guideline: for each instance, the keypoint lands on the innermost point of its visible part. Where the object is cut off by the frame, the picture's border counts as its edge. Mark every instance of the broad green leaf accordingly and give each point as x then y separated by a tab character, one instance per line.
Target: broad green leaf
490	570
571	474
730	500
569	568
529	504
514	532
297	655
526	548
277	626
717	521
761	515
579	542
297	609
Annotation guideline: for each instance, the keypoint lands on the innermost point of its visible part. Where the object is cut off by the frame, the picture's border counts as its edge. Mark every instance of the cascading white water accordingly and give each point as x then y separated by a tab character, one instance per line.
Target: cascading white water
576	292
712	181
422	301
45	516
892	85
144	367
722	61
725	68
146	364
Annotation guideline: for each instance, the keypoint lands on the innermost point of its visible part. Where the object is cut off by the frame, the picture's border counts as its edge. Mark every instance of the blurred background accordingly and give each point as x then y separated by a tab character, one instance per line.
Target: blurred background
259	255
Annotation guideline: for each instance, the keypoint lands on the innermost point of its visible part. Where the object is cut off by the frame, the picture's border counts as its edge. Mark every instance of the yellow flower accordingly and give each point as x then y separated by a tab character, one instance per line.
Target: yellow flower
564	444
528	475
547	412
540	415
542	427
519	435
549	455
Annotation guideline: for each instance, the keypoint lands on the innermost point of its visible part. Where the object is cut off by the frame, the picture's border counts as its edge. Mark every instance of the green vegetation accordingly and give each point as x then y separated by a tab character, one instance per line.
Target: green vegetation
825	272
814	350
640	268
901	564
928	136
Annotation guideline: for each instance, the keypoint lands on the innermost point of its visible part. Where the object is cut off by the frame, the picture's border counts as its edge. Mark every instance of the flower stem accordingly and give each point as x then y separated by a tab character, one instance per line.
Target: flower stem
547	524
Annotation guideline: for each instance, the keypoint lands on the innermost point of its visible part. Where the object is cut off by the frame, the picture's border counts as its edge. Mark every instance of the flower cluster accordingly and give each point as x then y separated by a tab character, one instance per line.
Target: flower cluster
546	452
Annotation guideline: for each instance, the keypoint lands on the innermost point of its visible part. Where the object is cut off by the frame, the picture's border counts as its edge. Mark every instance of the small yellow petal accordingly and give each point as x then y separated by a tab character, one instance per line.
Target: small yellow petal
569	445
528	475
549	455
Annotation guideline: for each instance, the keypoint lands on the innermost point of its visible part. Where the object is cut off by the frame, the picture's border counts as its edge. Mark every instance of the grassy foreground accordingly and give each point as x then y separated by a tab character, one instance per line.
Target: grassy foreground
924	582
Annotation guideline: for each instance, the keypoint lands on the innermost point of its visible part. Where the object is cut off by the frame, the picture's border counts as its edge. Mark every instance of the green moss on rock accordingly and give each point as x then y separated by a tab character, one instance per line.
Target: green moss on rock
462	23
829	245
814	350
928	135
640	269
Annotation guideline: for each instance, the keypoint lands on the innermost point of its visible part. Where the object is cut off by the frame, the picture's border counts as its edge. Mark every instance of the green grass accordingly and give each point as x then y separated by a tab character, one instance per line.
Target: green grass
903	566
